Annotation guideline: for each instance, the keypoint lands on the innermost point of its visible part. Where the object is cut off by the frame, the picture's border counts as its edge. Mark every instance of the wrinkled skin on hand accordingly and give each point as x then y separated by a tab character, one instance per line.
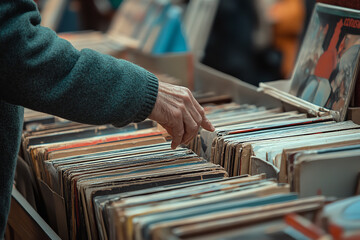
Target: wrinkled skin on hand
179	113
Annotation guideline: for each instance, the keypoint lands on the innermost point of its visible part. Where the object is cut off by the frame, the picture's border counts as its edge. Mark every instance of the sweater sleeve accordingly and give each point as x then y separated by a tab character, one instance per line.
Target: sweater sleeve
41	71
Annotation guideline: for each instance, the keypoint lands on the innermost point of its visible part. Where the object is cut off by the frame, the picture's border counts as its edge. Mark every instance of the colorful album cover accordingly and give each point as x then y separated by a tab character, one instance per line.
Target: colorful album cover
327	66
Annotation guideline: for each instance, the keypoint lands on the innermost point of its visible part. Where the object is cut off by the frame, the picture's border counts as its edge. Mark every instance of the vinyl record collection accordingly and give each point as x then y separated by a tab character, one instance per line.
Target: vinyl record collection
80	162
127	183
264	173
280	144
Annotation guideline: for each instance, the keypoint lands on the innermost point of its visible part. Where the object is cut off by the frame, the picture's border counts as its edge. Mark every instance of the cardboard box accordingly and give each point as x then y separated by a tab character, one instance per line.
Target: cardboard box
177	65
56	215
25	223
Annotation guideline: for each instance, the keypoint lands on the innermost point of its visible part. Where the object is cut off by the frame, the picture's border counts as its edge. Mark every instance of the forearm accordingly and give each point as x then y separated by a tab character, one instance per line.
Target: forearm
43	72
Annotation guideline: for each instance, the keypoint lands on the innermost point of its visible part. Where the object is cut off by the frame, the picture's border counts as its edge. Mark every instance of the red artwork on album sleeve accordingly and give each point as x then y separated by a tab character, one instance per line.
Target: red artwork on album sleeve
326	68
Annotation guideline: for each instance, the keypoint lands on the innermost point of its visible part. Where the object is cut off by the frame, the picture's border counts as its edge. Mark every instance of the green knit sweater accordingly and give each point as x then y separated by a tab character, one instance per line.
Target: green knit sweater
40	71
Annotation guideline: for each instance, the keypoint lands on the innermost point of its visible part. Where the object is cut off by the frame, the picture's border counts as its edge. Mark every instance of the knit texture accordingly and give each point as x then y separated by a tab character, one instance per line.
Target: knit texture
40	71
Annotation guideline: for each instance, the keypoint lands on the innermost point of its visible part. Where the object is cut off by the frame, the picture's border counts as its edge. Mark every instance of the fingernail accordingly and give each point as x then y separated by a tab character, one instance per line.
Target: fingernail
211	126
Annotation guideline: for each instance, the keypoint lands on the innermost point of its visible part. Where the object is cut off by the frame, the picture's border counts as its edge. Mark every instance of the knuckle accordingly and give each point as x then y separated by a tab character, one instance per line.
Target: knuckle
185	91
184	88
180	133
202	111
187	99
198	118
181	90
198	122
184	95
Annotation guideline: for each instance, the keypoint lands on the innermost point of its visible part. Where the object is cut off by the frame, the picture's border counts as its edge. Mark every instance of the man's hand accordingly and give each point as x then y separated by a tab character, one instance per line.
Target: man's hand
179	113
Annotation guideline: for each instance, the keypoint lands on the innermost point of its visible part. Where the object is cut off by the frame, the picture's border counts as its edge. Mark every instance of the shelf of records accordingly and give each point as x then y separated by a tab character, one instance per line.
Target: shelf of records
282	163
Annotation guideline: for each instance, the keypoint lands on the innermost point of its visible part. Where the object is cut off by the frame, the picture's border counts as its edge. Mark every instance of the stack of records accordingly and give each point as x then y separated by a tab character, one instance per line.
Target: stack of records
79	162
290	146
128	183
210	209
287	146
34	119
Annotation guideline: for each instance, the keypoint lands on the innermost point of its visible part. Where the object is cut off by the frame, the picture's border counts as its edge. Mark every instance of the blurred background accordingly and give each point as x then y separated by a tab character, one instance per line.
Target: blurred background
252	40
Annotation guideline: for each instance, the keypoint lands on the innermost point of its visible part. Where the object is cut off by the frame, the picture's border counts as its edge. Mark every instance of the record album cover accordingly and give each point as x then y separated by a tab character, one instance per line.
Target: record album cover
326	69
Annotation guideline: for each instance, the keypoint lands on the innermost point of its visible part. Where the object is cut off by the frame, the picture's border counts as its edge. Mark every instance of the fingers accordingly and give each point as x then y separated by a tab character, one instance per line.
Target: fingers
204	123
183	129
179	113
175	141
177	137
177	129
193	117
191	127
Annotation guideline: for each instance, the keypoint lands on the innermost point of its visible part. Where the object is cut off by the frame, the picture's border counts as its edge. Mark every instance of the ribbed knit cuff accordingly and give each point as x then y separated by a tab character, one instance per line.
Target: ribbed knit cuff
150	97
